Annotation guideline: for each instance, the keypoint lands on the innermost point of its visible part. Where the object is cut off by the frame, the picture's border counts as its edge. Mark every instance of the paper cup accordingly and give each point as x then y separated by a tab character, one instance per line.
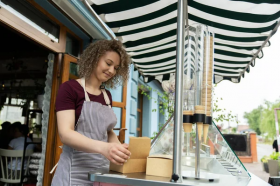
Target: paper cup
199	130
206	103
187	127
205	132
199	111
199	107
209	96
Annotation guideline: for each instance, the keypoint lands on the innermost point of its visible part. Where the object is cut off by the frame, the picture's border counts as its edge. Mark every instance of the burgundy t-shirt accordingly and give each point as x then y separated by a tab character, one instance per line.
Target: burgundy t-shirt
71	96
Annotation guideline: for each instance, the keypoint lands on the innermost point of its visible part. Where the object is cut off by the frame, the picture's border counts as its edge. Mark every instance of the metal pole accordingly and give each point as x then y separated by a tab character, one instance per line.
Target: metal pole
188	143
277	127
178	116
197	155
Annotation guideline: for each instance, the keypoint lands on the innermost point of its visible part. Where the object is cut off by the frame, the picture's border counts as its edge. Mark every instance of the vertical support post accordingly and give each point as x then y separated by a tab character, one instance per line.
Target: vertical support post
277	127
188	143
178	116
197	155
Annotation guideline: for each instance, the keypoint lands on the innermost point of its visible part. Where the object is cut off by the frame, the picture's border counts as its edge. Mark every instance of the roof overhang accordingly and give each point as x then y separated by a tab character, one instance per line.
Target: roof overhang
81	13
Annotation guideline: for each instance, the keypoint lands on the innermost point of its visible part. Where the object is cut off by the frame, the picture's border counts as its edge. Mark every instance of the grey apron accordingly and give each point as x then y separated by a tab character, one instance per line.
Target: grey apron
94	122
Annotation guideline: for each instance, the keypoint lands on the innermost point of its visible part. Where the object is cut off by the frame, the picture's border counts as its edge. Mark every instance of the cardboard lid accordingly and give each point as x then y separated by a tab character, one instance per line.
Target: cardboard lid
161	156
139	147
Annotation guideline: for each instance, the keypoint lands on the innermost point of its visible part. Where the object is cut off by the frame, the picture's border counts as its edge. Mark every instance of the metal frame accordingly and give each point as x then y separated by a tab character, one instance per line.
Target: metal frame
260	49
277	127
177	135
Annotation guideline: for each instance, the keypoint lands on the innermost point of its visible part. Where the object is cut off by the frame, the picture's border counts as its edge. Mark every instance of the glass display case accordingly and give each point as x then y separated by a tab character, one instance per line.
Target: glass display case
216	156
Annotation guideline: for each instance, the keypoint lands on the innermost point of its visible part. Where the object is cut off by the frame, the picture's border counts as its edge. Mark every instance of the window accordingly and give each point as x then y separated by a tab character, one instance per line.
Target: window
72	45
32	16
12	110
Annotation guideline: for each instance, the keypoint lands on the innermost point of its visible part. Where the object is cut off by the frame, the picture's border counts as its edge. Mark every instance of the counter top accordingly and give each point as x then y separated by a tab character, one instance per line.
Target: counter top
140	179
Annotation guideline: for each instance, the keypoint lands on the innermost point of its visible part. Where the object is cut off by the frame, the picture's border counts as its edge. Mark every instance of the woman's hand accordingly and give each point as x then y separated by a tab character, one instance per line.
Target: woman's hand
116	153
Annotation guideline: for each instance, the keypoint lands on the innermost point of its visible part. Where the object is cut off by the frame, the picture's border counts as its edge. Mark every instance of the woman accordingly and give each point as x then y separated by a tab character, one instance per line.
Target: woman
85	117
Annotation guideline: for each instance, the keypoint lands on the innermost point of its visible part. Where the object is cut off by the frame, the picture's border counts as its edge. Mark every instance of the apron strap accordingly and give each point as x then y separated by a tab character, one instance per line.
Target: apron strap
106	97
83	81
56	163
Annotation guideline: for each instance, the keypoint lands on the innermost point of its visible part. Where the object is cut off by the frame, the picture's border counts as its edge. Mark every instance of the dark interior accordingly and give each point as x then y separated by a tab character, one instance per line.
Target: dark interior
23	65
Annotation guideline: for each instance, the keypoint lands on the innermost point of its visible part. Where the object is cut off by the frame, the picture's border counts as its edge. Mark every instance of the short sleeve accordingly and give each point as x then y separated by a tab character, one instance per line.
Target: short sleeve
12	143
66	98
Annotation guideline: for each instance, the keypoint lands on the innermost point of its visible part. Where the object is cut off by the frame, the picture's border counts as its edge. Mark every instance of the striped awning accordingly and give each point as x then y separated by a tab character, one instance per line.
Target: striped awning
148	30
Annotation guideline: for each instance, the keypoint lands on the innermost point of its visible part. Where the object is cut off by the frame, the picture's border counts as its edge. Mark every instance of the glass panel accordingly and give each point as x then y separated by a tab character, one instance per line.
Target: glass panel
73	71
161	118
118	112
11	114
117	94
72	45
34	17
216	156
224	152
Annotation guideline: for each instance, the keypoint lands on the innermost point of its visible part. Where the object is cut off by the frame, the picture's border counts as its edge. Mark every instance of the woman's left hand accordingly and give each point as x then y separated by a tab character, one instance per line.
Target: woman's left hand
116	153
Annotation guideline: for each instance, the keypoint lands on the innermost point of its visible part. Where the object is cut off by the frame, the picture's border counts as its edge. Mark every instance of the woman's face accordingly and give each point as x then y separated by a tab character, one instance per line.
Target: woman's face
107	66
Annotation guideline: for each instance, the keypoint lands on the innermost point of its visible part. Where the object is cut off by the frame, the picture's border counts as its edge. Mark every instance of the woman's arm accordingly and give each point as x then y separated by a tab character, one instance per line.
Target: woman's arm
112	137
114	152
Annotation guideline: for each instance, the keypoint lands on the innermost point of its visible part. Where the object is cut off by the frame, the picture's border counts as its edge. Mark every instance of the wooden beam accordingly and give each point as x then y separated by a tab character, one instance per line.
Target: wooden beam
27	30
52	128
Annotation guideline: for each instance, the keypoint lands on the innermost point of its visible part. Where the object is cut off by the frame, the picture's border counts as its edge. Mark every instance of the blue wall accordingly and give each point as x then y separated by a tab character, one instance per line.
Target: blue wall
150	120
131	104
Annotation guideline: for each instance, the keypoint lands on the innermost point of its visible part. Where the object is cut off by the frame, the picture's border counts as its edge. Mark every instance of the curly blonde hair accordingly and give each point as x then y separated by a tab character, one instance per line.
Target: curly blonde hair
91	55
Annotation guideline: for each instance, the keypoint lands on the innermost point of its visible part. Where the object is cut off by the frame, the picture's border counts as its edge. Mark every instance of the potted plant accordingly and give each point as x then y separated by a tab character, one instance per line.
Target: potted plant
273	165
37	132
264	161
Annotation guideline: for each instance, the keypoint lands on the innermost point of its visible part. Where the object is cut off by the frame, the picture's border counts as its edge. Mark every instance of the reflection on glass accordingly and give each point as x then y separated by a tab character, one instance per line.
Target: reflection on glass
29	14
73	71
72	45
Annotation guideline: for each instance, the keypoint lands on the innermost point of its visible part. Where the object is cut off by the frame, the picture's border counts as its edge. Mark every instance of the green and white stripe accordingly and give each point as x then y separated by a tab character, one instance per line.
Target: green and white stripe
148	30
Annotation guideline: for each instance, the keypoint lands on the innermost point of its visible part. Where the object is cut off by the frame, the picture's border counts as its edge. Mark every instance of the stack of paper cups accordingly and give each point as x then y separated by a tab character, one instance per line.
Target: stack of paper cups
207	81
187	126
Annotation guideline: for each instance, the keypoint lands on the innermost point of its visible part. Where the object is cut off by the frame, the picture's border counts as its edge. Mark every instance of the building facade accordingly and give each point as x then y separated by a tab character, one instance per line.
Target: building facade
51	35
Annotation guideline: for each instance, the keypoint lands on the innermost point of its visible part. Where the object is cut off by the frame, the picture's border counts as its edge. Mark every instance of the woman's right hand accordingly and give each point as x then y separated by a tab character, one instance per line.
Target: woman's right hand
116	153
